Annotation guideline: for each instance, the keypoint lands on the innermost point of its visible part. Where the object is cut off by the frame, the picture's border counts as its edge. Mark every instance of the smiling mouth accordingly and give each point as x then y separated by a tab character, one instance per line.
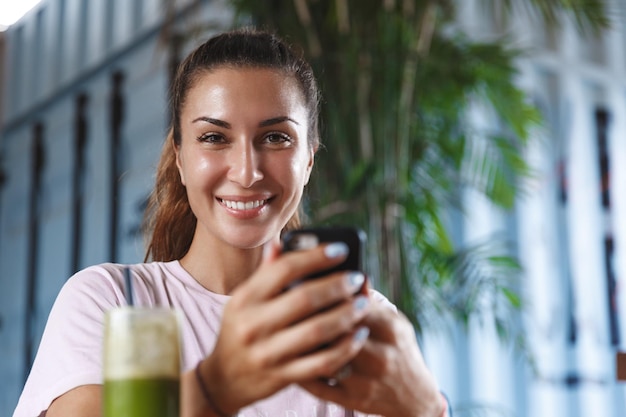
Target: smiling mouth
240	205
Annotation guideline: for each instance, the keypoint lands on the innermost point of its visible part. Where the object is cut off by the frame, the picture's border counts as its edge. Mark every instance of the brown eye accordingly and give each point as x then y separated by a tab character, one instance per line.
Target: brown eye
212	138
276	138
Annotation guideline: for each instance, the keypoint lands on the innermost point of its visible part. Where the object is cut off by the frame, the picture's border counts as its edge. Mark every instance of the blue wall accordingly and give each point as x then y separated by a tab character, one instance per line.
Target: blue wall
63	49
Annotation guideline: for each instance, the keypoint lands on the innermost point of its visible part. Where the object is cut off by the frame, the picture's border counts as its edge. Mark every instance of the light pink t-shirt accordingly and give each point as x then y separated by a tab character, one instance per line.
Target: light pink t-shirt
70	353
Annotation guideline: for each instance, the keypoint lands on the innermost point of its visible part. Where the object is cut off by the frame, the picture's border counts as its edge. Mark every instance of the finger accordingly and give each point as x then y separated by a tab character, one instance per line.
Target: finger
342	374
271	251
333	393
311	297
353	392
274	276
303	301
386	324
315	332
396	337
372	359
326	362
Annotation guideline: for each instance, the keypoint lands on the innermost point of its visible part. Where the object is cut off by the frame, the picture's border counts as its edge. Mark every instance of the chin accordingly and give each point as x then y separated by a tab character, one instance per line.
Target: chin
249	239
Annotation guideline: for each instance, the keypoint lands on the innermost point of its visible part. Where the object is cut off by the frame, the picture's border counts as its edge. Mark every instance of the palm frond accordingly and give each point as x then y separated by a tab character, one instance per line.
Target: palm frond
590	16
398	148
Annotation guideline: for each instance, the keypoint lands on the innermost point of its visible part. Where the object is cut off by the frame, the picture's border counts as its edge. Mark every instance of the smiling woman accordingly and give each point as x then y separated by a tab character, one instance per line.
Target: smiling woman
244	166
229	183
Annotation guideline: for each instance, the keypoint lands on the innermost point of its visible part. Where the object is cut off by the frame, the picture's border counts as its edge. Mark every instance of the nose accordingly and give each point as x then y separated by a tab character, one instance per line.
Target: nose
244	165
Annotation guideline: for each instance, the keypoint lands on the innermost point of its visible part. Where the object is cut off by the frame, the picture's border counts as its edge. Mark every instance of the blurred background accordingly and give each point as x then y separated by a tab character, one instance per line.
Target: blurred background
480	143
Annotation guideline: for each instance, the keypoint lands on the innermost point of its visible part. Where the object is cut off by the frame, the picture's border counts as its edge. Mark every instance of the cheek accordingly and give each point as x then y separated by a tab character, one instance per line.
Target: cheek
296	169
199	170
205	166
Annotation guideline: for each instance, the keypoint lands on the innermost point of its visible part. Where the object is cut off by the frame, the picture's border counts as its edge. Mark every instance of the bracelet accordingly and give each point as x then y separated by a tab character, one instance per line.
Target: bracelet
205	393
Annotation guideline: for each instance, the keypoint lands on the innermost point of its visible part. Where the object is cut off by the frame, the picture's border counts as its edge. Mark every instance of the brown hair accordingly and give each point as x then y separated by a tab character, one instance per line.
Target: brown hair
169	223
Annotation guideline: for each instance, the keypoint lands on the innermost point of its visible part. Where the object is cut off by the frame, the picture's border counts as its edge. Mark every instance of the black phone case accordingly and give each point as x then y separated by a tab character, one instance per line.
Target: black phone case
353	237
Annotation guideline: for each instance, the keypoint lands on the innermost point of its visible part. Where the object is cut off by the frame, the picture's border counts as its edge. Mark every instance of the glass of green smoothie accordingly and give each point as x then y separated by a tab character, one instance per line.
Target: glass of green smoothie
141	363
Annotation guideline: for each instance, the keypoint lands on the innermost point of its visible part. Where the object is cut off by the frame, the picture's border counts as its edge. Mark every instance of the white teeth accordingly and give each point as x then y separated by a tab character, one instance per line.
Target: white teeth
240	205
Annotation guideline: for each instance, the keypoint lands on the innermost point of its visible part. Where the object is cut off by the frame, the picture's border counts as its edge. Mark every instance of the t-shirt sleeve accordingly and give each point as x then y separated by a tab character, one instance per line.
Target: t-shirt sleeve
70	352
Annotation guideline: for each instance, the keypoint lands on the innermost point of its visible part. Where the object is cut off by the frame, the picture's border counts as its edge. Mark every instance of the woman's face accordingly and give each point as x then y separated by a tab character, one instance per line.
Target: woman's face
244	157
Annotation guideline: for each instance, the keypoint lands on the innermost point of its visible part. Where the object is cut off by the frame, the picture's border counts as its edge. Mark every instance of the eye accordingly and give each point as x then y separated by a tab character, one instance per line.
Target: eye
212	138
277	138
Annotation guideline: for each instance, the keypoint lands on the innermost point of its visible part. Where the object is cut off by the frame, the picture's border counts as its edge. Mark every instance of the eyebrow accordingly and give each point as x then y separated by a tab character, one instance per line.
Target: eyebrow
277	120
213	121
264	123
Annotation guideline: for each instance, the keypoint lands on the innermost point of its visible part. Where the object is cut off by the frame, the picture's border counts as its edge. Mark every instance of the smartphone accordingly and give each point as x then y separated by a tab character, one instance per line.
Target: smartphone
309	238
302	239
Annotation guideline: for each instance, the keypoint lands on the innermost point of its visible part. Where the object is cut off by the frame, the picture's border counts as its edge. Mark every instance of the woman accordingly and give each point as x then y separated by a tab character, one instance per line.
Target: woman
229	182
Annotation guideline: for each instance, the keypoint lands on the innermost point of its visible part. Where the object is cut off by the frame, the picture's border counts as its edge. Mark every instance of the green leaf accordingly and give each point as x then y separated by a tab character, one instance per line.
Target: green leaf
424	150
512	297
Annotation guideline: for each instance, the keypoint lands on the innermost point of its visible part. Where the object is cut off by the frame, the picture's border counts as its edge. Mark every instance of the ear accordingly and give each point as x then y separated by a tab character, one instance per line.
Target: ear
179	163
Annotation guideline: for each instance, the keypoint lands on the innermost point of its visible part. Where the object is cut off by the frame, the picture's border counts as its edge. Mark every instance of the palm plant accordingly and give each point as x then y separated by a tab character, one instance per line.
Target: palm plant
396	79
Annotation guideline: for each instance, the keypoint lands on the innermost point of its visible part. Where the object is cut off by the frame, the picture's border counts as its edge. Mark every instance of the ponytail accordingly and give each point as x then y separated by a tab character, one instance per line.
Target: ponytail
169	223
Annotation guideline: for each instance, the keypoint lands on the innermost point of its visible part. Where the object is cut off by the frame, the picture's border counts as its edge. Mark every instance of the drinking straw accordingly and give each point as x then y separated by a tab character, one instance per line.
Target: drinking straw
129	286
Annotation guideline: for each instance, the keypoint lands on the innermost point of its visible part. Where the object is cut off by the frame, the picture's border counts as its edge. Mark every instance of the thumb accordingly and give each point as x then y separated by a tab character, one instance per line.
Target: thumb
271	251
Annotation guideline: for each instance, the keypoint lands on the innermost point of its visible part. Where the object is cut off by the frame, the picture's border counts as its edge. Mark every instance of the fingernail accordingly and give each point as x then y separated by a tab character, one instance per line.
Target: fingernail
360	303
361	334
355	280
336	250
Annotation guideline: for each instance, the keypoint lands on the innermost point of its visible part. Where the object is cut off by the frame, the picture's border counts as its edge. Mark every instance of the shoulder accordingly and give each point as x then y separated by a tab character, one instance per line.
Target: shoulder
164	284
103	284
98	283
91	292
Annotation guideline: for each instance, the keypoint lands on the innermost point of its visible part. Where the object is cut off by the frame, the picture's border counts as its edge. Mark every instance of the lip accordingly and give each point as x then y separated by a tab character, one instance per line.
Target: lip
244	207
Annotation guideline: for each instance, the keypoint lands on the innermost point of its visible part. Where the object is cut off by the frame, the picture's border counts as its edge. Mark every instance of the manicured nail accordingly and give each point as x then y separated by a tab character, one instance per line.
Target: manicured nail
355	280
336	250
361	334
360	302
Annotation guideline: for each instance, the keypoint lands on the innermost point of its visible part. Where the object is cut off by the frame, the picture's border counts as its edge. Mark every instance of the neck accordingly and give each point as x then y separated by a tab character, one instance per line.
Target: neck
219	267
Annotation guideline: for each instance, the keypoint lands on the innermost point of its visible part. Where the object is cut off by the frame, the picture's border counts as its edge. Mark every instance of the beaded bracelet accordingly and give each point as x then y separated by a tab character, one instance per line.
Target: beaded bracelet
205	393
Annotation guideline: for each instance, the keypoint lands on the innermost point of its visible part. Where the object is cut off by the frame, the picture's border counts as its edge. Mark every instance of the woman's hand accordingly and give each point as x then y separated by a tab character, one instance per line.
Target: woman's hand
388	377
270	337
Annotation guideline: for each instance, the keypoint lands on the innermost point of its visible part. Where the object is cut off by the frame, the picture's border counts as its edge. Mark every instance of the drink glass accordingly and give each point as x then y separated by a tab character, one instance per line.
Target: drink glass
141	363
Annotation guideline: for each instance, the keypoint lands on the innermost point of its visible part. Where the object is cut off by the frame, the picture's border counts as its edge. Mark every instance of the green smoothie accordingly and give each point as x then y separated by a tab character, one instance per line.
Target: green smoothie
141	366
154	397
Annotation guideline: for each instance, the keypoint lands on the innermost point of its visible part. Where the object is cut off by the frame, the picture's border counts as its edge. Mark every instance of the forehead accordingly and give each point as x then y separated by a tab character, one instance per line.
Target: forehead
236	88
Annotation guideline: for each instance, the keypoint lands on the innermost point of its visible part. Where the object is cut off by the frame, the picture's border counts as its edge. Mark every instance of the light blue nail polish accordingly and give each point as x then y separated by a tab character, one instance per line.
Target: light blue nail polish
360	303
336	250
355	280
361	334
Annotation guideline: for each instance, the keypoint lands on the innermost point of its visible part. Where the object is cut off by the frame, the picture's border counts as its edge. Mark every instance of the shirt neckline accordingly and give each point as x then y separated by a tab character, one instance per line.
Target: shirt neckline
177	269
